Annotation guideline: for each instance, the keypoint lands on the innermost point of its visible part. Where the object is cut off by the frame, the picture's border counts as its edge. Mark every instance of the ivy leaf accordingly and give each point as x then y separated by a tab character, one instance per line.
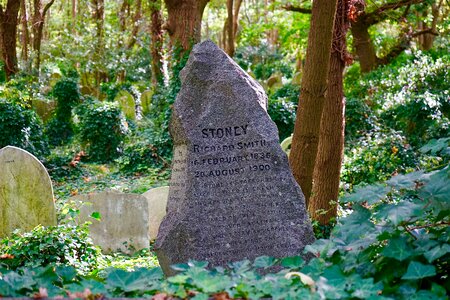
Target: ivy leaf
365	288
398	249
437	252
370	193
398	213
416	270
292	262
66	273
438	190
128	281
264	262
435	146
405	181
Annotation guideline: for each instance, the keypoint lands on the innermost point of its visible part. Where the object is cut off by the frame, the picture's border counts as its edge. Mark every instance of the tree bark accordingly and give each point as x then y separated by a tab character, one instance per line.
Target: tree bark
231	26
365	51
38	28
184	22
156	43
98	14
8	30
136	24
25	35
312	97
324	199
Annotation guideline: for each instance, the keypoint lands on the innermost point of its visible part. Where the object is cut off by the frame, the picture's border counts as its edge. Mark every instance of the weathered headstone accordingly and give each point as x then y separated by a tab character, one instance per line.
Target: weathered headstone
26	193
43	108
232	195
124	220
146	100
275	81
157	203
127	104
297	78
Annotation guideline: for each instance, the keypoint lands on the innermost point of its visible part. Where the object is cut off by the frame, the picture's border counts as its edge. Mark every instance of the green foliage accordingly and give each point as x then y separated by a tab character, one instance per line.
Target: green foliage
283	107
102	130
60	127
21	127
57	245
262	61
376	156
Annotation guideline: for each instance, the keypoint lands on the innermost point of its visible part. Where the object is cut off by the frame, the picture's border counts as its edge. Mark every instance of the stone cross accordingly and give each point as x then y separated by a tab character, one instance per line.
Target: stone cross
232	195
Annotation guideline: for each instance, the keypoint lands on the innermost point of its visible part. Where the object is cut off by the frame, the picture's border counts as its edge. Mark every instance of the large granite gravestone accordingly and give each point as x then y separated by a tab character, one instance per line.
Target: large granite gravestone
26	193
124	220
232	195
157	203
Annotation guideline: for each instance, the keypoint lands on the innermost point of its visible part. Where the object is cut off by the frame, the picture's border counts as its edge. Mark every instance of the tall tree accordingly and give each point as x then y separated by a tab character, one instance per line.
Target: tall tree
312	97
363	20
8	33
426	40
156	42
184	22
137	21
323	202
98	14
231	26
25	34
39	14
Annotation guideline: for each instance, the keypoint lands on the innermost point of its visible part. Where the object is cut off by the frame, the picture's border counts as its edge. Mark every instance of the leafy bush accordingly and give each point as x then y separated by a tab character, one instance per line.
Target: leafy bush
57	245
102	130
60	127
22	128
283	107
377	156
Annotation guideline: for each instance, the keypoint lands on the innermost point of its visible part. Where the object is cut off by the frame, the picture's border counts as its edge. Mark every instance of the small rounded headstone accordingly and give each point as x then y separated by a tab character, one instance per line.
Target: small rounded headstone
297	78
44	109
26	193
127	104
274	81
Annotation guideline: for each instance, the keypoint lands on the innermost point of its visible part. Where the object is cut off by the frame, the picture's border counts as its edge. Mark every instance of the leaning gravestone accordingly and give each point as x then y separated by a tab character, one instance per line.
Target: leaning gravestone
43	108
127	104
124	220
157	203
26	194
232	195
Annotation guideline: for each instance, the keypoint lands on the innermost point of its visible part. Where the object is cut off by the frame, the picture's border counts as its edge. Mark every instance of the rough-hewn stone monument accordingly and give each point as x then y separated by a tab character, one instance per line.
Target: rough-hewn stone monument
232	195
157	203
26	193
124	220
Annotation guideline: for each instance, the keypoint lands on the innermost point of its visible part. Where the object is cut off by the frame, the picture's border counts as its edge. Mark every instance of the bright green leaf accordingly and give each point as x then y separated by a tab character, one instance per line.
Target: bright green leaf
416	270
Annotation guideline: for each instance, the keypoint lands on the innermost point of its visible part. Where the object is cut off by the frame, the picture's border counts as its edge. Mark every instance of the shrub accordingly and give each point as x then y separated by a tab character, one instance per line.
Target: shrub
283	107
102	130
22	128
57	245
60	127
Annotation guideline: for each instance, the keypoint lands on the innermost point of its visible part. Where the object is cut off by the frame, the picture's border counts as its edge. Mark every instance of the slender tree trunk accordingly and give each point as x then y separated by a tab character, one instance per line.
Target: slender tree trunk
98	15
38	28
25	36
312	97
184	22
365	51
156	43
324	198
136	24
8	30
231	26
426	40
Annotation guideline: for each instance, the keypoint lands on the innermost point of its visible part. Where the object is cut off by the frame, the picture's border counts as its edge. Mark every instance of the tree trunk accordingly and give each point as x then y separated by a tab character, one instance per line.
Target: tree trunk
136	24
25	35
426	40
156	43
184	22
231	26
98	15
324	199
8	30
312	97
364	48
38	28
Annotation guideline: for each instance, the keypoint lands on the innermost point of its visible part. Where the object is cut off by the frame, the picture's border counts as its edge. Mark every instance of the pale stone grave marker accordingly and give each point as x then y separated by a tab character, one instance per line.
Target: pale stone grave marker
127	104
232	195
43	108
26	193
146	101
124	220
157	203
